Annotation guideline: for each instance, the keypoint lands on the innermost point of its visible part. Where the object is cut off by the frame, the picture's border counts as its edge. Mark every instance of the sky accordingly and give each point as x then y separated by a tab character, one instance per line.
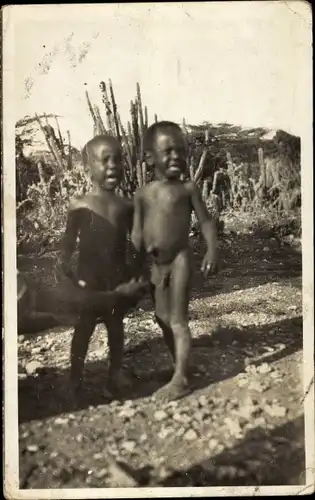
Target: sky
238	62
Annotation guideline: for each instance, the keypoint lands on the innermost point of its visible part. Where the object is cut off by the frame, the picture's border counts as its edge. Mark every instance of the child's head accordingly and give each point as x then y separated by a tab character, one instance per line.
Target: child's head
102	156
165	147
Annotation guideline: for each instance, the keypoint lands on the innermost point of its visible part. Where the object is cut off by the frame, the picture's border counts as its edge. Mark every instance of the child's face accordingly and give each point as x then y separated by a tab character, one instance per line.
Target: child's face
106	165
169	154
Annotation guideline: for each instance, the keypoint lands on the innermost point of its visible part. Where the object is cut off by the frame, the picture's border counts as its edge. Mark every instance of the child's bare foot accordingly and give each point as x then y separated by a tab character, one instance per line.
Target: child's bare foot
119	383
75	393
175	389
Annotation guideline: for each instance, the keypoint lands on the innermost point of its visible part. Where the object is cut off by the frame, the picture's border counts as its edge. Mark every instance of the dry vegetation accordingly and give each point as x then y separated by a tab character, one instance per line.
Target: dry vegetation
238	171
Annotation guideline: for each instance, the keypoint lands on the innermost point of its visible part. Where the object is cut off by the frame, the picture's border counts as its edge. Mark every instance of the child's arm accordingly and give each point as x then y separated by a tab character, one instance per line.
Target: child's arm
208	229
137	223
137	236
68	243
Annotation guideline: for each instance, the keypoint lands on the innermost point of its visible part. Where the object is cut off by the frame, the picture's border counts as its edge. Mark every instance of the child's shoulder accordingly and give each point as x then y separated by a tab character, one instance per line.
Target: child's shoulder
144	190
79	201
126	204
190	186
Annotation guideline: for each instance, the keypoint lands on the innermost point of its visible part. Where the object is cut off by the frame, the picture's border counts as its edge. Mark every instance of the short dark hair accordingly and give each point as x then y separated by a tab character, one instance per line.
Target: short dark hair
89	149
151	133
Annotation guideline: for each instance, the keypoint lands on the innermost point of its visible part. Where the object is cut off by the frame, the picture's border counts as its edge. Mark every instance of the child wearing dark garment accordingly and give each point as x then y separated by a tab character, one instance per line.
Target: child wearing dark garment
162	215
102	220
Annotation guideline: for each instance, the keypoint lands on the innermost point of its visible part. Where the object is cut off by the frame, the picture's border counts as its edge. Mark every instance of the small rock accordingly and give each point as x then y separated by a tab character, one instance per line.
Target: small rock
177	417
292	308
164	432
127	413
229	471
256	386
250	369
236	287
164	472
202	400
241	382
266	249
143	438
36	350
98	456
200	416
260	421
269	349
129	446
21	338
32	448
79	438
22	376
190	435
101	473
172	404
276	410
233	426
160	415
32	367
213	443
61	421
264	368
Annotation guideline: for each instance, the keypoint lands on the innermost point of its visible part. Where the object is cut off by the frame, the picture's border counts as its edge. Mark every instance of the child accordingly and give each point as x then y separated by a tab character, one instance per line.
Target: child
161	226
102	220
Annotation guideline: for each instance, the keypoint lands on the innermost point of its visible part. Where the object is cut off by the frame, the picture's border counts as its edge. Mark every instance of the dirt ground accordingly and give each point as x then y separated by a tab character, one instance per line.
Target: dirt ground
243	424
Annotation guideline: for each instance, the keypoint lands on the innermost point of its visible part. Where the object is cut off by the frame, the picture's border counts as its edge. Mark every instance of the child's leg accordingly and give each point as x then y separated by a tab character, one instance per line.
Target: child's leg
179	299
161	298
115	328
79	346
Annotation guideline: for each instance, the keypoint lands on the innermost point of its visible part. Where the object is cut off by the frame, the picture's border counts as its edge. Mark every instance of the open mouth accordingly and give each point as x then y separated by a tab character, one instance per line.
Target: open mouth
174	172
174	168
112	178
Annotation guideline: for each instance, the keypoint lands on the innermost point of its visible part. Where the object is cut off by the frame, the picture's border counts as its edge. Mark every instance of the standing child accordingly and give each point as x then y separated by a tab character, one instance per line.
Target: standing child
102	221
161	226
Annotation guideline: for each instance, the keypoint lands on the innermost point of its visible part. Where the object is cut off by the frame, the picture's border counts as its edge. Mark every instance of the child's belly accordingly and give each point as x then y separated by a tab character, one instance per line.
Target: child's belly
164	239
103	270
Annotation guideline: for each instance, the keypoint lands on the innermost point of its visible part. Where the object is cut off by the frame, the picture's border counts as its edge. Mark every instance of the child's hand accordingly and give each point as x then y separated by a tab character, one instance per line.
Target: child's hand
134	288
209	264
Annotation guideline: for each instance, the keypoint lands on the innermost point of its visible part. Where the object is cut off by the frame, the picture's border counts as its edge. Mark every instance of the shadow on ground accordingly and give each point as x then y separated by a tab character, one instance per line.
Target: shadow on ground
215	357
263	458
245	262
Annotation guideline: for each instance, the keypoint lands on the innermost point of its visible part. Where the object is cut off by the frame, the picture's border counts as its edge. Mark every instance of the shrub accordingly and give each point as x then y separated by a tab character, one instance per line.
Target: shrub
41	217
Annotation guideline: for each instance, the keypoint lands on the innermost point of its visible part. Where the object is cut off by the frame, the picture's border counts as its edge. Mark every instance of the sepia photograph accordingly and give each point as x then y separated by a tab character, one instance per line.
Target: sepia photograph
158	249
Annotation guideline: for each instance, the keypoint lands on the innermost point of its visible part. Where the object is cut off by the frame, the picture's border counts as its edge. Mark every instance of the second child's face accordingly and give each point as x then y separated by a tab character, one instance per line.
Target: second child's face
106	166
169	154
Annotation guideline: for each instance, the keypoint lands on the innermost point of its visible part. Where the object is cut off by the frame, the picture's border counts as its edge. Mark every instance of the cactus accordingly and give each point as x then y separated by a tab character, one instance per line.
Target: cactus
145	117
114	108
91	109
107	107
100	127
69	151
